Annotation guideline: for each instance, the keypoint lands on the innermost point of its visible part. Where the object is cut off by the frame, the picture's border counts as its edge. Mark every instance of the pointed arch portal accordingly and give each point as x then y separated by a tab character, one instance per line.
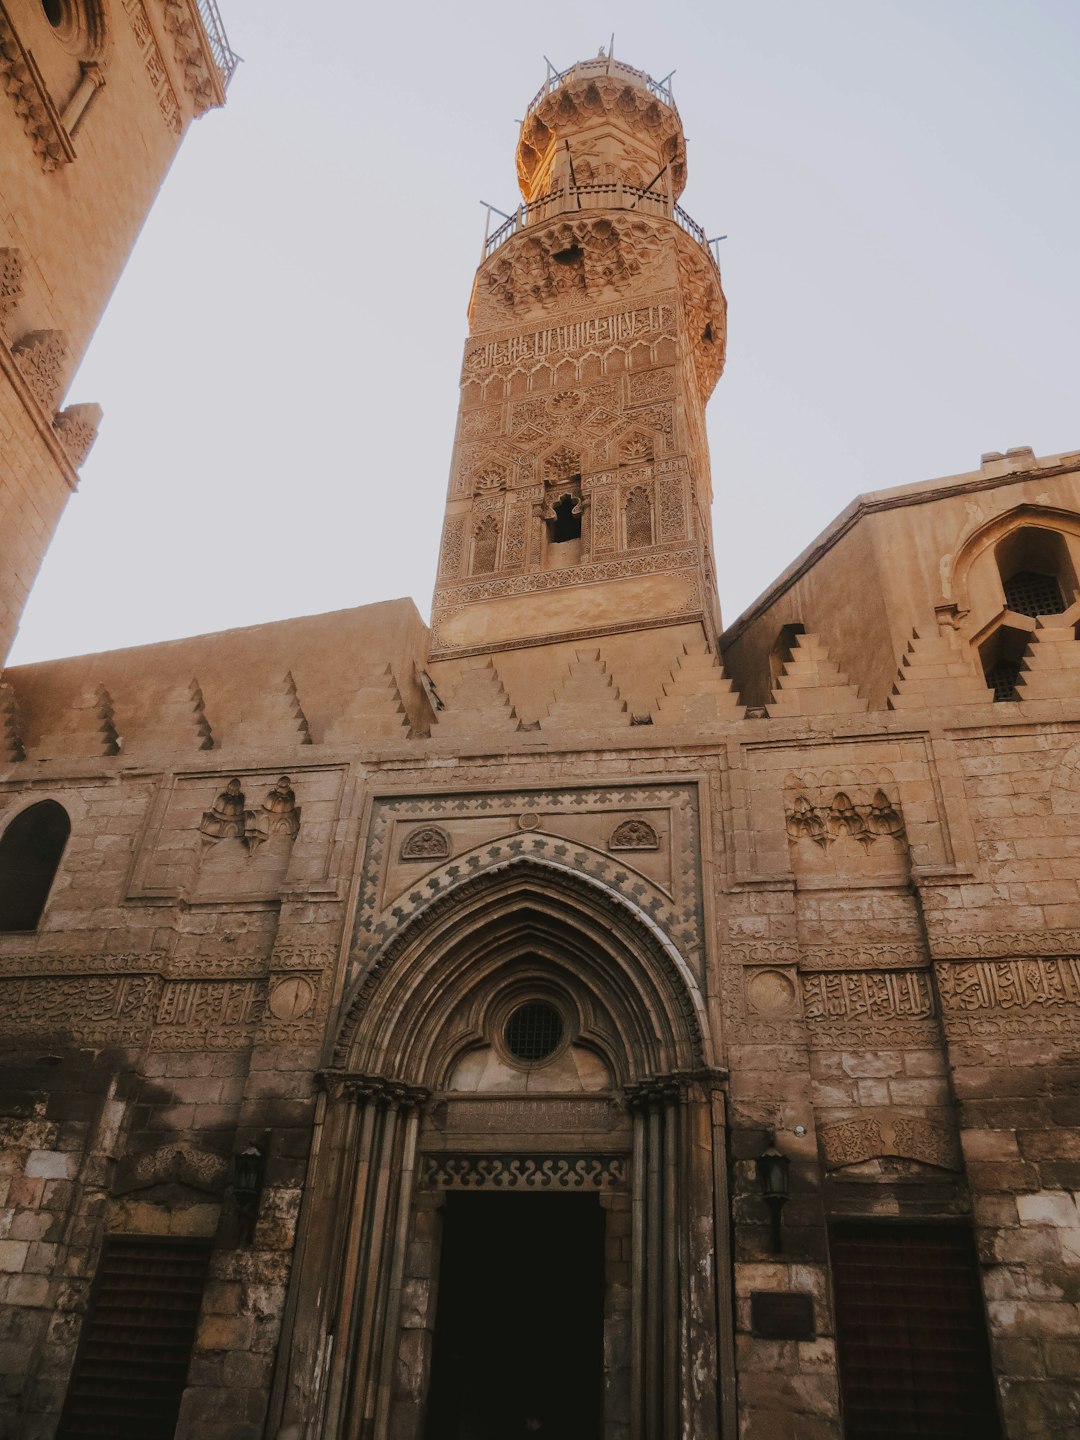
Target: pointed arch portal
528	1037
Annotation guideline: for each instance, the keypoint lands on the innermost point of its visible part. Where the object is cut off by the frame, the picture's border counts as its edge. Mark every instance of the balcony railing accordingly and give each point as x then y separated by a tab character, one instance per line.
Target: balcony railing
602	65
604	195
225	58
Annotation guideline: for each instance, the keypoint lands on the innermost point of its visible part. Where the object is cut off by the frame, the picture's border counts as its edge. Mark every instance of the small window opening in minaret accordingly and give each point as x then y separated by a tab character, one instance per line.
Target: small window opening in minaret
572	255
54	12
707	334
566	525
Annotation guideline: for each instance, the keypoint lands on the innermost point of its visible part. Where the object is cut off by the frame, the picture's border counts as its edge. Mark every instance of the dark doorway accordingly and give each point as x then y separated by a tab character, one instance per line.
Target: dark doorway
914	1360
519	1329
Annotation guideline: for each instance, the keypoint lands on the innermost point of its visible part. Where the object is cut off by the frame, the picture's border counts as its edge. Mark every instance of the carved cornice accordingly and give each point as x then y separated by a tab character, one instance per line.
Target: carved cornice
380	1090
610	249
202	79
11	286
40	356
1004	943
675	556
675	1086
77	428
22	80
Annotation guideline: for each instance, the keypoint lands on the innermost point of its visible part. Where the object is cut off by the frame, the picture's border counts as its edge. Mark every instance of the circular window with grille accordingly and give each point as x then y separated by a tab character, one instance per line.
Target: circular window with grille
81	26
534	1032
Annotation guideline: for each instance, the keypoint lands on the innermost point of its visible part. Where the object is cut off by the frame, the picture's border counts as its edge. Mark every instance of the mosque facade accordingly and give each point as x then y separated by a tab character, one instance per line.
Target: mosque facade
572	1018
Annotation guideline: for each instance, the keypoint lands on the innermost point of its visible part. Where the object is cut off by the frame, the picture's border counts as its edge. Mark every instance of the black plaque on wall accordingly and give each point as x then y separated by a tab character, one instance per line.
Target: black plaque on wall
782	1315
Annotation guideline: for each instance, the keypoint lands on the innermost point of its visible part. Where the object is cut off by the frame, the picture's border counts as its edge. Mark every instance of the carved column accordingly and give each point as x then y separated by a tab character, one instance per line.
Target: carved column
353	1254
678	1248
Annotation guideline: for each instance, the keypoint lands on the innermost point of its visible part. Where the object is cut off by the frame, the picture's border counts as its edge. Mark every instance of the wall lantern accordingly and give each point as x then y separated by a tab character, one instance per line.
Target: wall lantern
772	1172
247	1190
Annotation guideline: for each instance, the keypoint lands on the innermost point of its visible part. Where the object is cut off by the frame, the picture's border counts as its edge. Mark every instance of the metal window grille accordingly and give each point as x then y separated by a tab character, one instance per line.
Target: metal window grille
914	1360
534	1031
132	1365
1002	678
1029	593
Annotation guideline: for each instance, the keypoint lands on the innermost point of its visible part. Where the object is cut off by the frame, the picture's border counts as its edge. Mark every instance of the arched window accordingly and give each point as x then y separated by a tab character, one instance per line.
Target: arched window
1036	571
567	523
30	851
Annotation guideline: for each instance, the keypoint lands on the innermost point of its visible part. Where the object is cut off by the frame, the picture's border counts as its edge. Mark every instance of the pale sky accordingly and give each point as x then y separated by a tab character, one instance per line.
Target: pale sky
897	180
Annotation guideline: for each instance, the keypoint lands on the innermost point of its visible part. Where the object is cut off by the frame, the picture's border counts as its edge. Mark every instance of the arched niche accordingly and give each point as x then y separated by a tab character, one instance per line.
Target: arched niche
424	1102
397	1018
1037	538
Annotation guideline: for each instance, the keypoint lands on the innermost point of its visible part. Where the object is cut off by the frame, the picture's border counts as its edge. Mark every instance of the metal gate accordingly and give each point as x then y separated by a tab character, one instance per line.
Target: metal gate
914	1360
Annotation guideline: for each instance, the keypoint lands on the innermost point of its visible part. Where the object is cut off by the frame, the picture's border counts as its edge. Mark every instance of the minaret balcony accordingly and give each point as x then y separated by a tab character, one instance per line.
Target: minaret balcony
600	195
602	65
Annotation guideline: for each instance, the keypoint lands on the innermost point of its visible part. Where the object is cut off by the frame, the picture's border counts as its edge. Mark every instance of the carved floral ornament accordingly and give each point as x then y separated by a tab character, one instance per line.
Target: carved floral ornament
427	842
634	835
886	1134
842	818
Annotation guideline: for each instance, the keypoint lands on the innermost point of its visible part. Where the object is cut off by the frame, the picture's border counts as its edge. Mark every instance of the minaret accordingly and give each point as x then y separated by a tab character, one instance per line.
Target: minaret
579	493
98	99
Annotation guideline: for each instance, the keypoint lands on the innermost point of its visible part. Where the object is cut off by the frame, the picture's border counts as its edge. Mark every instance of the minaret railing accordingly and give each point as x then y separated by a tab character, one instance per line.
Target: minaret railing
597	195
225	58
602	65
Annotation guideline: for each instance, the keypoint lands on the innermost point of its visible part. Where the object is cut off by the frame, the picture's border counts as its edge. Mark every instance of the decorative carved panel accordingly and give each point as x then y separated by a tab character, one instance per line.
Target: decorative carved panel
867	1137
452	546
523	1172
106	1010
573	829
154	64
597	332
1010	996
864	995
634	835
207	1014
426	843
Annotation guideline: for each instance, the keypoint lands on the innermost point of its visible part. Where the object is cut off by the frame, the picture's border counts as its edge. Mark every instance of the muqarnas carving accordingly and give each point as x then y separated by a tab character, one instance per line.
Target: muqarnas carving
230	819
426	843
225	819
634	835
278	814
844	818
